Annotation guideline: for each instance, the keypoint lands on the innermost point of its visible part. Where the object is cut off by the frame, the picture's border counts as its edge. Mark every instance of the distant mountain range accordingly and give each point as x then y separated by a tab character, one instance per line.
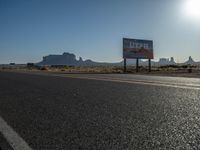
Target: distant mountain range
70	59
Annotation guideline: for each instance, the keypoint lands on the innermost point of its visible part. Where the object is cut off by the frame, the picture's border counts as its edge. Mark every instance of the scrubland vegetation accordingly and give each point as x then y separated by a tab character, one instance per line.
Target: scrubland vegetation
168	69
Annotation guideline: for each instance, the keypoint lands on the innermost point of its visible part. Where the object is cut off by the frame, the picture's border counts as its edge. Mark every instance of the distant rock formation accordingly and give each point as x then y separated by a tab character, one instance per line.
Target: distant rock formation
166	61
65	58
80	59
172	60
70	59
190	61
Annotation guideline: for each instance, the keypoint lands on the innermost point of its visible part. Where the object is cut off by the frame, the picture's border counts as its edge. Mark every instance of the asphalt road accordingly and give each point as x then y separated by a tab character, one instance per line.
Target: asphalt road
102	111
4	145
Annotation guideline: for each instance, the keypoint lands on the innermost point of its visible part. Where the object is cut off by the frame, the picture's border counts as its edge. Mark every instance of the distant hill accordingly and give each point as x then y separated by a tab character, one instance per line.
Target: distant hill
70	59
190	61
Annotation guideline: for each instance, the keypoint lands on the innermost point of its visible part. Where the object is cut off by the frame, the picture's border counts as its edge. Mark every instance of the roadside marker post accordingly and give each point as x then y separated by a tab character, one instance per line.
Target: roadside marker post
149	65
124	65
137	65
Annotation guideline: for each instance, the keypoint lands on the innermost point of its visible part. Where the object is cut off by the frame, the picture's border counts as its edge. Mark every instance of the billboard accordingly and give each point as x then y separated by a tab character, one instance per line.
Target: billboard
136	48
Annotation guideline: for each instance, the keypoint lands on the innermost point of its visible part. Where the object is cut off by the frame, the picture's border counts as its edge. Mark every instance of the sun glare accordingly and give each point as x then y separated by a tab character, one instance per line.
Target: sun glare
192	8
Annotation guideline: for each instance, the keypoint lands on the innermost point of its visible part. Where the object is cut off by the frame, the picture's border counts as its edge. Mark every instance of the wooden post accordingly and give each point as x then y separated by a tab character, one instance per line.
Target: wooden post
149	65
124	65
137	64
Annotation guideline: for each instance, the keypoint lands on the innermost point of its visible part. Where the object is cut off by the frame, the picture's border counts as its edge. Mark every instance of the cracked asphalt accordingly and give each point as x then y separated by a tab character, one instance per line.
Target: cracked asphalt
61	113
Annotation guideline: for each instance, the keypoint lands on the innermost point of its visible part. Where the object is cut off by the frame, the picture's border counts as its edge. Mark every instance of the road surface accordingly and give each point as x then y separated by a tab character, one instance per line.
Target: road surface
99	111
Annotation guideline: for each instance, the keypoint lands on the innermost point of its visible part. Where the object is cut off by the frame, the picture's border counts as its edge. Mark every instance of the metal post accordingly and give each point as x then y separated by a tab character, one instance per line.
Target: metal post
124	65
137	64
149	65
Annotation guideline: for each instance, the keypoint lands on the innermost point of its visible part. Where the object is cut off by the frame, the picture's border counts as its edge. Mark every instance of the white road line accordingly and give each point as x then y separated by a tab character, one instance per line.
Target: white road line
139	82
146	81
132	81
15	141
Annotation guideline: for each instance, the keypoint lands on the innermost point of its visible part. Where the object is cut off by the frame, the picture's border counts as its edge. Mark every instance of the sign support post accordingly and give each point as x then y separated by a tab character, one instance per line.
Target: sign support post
124	65
149	65
137	65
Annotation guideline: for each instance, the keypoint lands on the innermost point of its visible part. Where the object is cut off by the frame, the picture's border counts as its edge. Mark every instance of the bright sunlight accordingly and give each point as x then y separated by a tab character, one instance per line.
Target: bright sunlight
192	8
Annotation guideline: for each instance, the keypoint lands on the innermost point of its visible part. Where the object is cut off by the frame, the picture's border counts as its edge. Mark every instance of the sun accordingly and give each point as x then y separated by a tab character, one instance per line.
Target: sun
192	8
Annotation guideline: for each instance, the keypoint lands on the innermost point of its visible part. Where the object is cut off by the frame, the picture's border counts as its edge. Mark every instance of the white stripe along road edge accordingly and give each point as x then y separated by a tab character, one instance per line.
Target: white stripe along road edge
131	81
138	82
141	81
15	141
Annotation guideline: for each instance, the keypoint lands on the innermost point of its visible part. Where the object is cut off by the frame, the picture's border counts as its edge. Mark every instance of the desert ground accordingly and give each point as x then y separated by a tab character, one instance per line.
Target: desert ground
168	70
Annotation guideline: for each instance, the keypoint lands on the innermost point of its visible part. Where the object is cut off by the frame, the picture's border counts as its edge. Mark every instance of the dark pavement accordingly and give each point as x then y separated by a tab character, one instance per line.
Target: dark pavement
57	113
4	145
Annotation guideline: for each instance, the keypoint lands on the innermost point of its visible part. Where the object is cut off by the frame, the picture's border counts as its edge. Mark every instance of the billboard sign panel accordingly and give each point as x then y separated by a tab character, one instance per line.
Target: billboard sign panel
136	48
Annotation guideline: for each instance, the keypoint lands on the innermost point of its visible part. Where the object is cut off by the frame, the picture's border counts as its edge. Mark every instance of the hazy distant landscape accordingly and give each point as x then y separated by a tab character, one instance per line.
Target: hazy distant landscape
70	59
67	63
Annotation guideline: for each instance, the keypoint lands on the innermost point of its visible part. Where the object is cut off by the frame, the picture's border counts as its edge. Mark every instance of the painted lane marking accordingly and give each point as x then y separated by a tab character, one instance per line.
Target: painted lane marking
15	141
137	82
143	81
114	79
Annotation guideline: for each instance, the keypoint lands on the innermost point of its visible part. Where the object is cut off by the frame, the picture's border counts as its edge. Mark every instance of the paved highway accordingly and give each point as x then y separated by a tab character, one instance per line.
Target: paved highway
91	111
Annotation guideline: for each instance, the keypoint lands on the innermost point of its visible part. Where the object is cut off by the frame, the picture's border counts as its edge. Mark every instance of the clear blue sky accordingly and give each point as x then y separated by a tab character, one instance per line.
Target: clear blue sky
93	29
